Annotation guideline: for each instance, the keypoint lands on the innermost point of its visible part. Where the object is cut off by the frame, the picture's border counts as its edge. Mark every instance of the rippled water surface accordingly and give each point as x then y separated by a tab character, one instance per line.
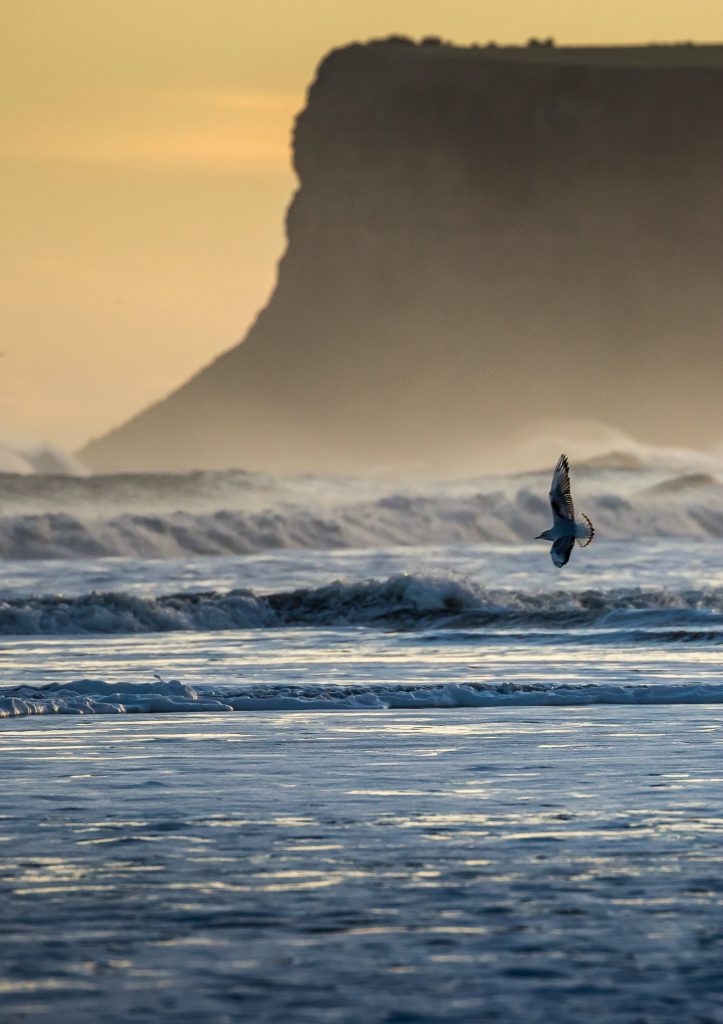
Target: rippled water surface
422	866
509	809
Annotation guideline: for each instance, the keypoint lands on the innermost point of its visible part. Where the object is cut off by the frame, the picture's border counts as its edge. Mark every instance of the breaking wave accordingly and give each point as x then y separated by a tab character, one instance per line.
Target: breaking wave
94	697
393	520
400	602
271	519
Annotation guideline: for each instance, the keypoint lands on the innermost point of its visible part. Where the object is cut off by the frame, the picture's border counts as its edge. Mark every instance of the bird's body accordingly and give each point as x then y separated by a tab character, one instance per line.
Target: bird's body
566	528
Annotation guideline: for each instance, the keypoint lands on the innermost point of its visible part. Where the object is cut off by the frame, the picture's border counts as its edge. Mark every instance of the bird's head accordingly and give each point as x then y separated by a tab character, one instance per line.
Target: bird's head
542	536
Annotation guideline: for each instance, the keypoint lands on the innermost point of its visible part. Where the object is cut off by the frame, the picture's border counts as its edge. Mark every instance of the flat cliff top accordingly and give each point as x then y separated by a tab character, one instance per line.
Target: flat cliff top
537	52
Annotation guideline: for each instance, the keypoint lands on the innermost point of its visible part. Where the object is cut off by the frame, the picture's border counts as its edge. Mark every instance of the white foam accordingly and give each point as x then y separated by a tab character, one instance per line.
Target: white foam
403	601
94	697
263	516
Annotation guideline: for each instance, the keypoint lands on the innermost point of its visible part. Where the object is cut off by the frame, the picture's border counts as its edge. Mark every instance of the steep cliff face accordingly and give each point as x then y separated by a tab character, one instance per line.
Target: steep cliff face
481	237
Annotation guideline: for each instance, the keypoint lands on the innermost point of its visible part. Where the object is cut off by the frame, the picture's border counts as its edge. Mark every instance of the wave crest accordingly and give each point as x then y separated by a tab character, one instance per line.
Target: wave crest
270	518
400	602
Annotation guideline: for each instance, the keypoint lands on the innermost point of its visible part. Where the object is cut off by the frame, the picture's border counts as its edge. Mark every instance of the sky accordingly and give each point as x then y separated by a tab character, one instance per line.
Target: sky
145	172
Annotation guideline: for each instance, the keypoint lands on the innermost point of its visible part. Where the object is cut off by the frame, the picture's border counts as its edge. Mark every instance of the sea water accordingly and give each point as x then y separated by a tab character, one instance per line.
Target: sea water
511	801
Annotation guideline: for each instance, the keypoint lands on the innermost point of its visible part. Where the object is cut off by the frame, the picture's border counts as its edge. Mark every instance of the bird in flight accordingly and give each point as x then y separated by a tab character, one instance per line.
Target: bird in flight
566	529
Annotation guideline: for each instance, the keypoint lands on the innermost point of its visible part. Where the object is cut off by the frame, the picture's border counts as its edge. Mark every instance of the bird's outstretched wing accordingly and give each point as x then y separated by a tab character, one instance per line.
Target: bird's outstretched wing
560	494
585	533
561	550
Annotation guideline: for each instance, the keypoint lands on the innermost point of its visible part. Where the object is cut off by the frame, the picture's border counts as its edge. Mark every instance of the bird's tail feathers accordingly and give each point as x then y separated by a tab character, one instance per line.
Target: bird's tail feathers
586	540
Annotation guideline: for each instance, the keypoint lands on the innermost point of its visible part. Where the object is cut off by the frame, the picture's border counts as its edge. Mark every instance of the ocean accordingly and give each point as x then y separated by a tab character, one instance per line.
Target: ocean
428	777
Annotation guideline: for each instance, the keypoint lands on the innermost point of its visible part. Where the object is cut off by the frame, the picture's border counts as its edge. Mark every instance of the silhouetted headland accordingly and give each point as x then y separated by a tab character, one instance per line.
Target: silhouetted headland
481	237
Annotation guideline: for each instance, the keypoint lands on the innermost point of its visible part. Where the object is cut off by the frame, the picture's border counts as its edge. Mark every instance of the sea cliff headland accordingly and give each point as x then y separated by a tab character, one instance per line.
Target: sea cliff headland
481	237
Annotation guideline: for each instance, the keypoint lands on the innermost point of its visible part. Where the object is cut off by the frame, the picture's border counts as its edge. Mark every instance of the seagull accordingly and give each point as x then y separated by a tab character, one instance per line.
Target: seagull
565	528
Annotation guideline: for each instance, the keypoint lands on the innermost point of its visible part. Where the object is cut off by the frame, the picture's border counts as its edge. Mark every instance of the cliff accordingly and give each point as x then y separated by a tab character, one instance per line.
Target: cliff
481	237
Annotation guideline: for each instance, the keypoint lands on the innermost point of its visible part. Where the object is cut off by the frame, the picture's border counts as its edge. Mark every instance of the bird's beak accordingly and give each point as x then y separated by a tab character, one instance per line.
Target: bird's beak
539	537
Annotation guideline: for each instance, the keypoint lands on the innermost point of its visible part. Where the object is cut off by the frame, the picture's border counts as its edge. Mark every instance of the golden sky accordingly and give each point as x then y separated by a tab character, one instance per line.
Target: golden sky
145	172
